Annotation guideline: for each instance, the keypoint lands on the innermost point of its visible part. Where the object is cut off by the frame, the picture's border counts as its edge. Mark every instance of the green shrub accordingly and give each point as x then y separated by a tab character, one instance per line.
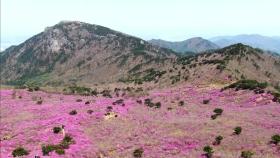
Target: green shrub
148	102
65	143
20	151
60	151
90	111
73	112
247	154
109	108
106	93
39	102
237	130
79	90
213	117
119	101
208	151
57	129
218	111
32	88
158	105
138	152
218	140
79	100
275	139
206	101
181	103
276	97
47	149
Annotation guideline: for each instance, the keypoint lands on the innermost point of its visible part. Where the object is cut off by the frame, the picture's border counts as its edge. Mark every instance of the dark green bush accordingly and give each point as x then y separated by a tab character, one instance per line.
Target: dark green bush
148	102
39	102
137	153
79	100
237	130
47	149
158	105
119	101
275	139
80	90
218	140
181	103
213	117
90	111
60	151
247	154
208	151
20	151
276	97
109	108
65	143
139	101
206	101
73	112
106	93
218	111
57	129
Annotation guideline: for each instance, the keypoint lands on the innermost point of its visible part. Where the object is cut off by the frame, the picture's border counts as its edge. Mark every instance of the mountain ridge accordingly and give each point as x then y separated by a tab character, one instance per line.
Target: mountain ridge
195	44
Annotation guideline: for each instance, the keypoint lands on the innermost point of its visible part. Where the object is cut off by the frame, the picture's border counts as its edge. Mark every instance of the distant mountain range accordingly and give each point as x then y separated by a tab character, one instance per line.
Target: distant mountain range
256	41
195	45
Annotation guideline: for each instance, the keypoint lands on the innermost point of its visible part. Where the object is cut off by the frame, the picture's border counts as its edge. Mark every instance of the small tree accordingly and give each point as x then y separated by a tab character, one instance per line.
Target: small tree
73	112
206	101
20	151
60	151
181	103
90	111
275	139
247	154
158	105
138	152
237	130
56	129
208	151
213	117
218	111
218	140
79	100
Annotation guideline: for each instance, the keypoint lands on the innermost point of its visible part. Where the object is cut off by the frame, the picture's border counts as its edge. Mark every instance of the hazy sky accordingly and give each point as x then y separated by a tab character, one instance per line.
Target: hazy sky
173	20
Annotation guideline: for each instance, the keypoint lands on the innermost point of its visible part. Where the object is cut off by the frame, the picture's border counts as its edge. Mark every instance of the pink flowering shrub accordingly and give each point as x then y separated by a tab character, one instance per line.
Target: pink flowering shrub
169	131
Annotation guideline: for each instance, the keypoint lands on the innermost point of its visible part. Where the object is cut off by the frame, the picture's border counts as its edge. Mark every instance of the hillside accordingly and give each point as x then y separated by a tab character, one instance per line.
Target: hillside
220	66
195	45
171	123
76	52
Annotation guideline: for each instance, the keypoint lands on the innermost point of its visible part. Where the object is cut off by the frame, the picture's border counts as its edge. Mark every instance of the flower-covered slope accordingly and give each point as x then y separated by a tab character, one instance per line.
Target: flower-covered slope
180	126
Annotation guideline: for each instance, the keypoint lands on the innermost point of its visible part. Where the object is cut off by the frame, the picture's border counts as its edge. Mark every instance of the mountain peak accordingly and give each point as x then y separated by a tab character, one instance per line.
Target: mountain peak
72	48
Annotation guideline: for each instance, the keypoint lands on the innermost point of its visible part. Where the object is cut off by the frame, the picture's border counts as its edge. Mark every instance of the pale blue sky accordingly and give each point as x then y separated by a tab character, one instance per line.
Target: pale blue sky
173	20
